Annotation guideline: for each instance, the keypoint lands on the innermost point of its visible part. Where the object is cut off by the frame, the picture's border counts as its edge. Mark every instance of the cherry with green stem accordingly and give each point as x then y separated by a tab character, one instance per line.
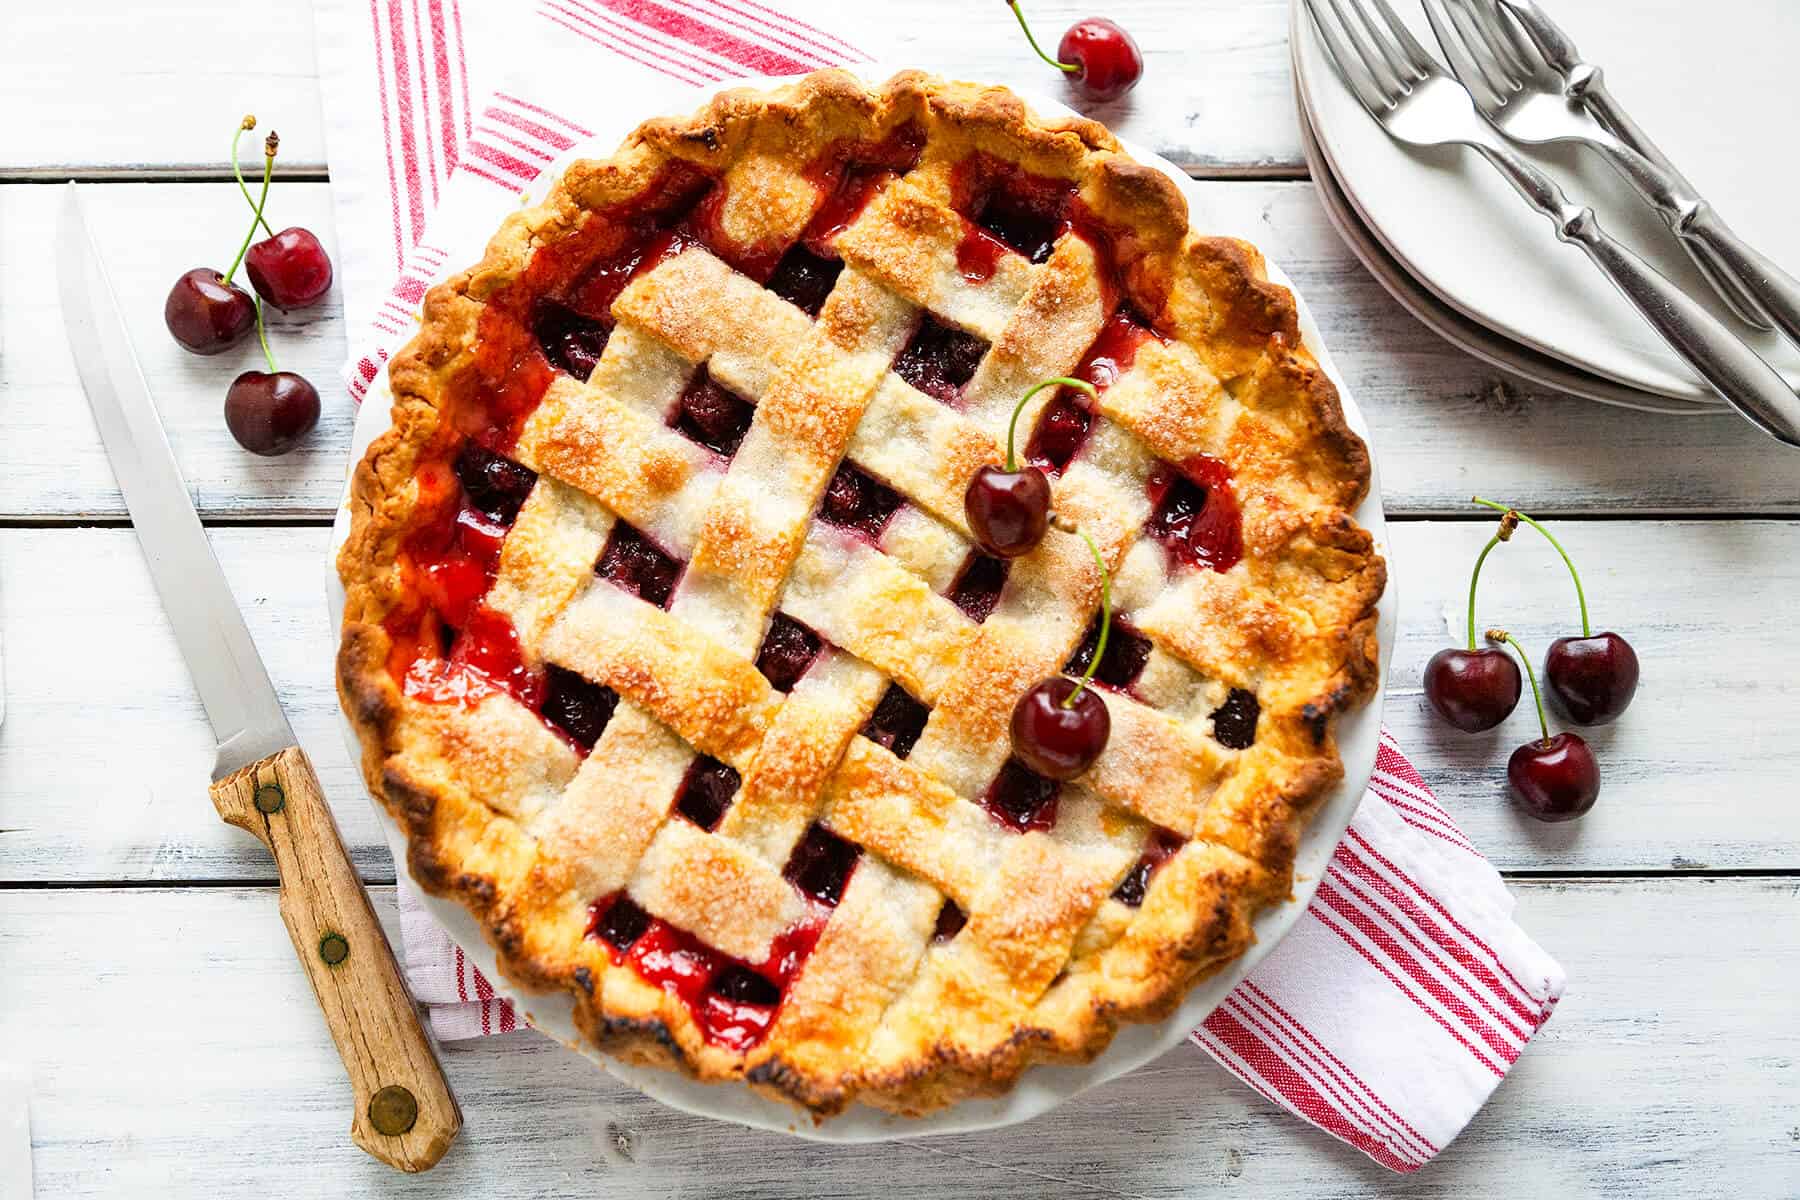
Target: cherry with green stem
1060	726
1591	679
1008	508
1096	55
205	311
1478	687
289	269
1554	778
269	412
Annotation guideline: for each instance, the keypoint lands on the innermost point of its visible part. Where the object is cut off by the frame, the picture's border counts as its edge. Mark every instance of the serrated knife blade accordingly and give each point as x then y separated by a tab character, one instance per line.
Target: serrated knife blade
247	719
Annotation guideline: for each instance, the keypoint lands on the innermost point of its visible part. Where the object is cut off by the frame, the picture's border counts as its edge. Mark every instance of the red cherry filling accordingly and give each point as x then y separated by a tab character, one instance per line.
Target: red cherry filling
484	661
711	415
856	185
652	244
1022	225
453	558
1159	848
1110	61
706	792
978	586
744	986
495	485
1057	731
788	649
1126	654
1021	799
1115	349
733	1002
290	270
897	722
804	279
617	921
978	254
820	865
572	342
950	921
939	359
855	501
730	1008
1008	511
1060	432
1194	512
577	706
1234	722
634	563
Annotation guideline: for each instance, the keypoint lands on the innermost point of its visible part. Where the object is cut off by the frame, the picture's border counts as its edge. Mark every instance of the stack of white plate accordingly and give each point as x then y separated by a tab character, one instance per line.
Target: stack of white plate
1716	85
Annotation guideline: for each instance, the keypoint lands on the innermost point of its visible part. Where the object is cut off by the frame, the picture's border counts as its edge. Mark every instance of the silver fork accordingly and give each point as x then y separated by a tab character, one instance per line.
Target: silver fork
1409	94
1530	81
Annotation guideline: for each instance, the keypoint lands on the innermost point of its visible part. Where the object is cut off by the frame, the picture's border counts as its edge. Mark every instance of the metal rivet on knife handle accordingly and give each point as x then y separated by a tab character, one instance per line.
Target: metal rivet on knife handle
334	948
270	799
393	1110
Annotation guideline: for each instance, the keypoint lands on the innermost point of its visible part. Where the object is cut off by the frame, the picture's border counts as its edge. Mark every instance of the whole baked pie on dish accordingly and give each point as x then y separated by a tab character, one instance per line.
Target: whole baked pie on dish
670	649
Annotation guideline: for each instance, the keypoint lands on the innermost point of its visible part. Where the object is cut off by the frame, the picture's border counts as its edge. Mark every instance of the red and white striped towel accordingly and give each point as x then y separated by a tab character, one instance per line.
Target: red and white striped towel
1403	995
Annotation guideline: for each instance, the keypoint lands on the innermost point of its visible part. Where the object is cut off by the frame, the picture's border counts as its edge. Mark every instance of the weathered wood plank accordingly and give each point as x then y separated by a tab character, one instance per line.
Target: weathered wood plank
51	460
133	86
1216	93
1698	774
177	1052
1444	423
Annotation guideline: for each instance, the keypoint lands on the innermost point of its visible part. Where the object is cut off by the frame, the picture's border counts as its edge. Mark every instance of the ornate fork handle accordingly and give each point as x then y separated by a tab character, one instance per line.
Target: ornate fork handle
1736	268
1691	218
1699	337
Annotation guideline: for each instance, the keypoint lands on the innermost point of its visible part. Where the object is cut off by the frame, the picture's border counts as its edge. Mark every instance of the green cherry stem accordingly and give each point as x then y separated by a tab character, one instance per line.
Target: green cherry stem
1501	637
244	126
1504	533
1013	425
1061	66
1580	596
1105	621
268	169
262	337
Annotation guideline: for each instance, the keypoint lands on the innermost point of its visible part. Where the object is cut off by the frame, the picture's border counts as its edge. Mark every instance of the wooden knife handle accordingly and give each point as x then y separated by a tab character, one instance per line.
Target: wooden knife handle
405	1114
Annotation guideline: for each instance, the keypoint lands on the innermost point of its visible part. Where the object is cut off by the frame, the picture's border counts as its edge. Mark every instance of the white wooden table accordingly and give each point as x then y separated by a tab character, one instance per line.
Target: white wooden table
144	976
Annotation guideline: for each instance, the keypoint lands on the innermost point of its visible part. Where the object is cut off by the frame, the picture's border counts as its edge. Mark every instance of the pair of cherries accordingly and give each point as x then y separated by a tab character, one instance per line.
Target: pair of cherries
1096	55
1059	726
268	412
1591	680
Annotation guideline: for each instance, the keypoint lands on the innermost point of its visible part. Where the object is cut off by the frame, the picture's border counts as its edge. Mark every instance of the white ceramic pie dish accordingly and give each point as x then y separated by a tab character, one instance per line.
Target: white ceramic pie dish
1041	1088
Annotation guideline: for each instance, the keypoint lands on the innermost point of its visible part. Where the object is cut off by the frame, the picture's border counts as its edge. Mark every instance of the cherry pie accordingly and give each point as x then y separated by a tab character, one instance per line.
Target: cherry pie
670	650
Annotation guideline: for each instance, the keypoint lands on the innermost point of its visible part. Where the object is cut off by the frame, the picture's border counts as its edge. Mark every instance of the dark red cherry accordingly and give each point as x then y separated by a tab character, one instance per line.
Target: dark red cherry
1473	689
1058	742
207	314
1554	778
1591	679
1109	60
269	413
1008	511
290	270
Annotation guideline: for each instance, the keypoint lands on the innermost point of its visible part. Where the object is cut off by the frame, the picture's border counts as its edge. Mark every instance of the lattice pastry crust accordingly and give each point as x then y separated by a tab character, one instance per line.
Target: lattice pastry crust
684	676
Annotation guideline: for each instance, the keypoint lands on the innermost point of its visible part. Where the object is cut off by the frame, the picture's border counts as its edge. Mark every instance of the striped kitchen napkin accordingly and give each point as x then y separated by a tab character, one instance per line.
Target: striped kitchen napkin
1399	1000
